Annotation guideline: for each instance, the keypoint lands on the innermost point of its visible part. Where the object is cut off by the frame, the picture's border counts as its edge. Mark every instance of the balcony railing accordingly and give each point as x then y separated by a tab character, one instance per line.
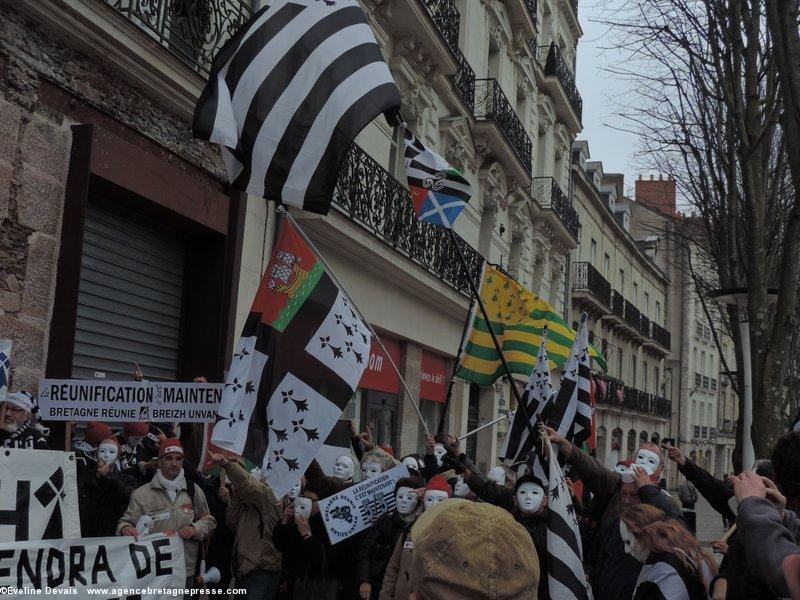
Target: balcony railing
492	104
713	385
553	63
661	336
589	279
445	17
643	402
617	304
632	316
704	432
696	435
645	326
464	81
706	382
698	380
193	30
372	198
548	194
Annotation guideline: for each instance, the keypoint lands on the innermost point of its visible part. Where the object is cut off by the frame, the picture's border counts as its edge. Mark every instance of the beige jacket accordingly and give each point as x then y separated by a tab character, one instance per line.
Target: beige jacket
397	580
253	513
151	499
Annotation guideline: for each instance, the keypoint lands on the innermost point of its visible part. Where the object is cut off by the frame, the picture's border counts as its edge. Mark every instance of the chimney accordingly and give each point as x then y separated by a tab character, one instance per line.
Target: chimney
659	194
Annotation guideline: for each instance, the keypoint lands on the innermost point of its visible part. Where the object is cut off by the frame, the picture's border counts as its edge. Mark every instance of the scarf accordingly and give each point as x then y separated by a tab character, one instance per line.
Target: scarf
171	488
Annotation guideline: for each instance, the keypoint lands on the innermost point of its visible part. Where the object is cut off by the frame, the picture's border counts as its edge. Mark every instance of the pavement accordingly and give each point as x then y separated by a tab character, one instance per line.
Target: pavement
709	525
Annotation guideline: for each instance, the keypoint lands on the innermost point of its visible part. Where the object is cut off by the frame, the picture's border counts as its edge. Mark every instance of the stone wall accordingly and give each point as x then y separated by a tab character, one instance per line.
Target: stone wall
34	159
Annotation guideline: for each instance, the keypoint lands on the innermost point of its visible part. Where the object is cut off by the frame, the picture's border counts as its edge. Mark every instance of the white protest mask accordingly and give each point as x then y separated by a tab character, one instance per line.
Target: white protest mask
344	468
302	507
406	500
497	474
294	491
107	452
411	463
632	546
529	497
433	497
461	489
439	452
647	458
370	469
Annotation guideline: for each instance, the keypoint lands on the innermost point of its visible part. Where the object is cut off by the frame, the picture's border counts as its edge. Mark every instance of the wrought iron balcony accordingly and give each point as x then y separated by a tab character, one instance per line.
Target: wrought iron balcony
445	17
372	198
698	380
589	279
713	384
661	336
193	30
632	316
706	382
643	402
531	6
492	104
617	304
645	326
464	81
553	63
548	194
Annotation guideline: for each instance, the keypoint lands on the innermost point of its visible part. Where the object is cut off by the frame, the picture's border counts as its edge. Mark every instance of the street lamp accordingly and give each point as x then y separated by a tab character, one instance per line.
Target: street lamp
738	297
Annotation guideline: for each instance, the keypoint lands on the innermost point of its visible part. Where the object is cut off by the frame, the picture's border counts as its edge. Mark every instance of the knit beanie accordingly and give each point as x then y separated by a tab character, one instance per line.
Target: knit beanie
439	483
96	432
139	429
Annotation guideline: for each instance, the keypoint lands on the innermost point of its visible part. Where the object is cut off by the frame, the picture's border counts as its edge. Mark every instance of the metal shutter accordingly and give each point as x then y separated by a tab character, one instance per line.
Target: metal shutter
129	300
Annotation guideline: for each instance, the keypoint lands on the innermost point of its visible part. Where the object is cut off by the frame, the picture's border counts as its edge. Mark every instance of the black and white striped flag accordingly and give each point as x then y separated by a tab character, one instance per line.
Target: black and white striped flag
566	578
288	94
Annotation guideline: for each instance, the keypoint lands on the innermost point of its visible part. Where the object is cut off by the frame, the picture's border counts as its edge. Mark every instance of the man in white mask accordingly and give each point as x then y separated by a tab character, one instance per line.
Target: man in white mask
173	506
103	491
436	491
439	451
19	425
650	456
412	463
461	489
344	469
381	539
295	490
530	497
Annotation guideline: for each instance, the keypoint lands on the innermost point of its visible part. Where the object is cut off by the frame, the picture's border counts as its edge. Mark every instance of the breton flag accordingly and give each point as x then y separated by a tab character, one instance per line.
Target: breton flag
538	397
5	367
571	413
439	191
298	362
289	92
566	578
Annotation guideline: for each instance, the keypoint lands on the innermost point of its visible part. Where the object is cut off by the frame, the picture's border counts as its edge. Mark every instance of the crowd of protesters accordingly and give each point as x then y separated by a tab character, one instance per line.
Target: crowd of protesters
454	532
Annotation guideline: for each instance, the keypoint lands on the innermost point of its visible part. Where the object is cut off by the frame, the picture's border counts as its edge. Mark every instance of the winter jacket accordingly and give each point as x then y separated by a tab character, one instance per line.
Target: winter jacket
716	491
397	580
101	501
768	537
151	499
663	577
253	513
377	548
311	558
742	584
27	436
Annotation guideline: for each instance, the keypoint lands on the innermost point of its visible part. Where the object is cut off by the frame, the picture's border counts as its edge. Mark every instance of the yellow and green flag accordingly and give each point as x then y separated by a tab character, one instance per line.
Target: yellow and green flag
518	318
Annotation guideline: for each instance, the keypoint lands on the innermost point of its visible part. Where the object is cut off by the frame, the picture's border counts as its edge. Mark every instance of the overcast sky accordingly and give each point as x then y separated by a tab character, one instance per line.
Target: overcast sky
601	93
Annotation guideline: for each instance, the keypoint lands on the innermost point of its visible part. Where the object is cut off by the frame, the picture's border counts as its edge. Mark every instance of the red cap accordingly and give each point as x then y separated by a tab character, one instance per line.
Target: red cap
388	449
135	429
96	432
437	482
168	446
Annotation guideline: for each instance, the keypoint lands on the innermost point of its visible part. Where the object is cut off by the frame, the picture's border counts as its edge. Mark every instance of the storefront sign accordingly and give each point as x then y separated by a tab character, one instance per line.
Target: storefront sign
358	507
111	568
128	401
379	374
434	377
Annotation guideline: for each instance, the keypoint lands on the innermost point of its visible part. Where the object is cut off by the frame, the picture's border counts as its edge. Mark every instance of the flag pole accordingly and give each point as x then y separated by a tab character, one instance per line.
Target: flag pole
520	404
414	403
484	426
470	317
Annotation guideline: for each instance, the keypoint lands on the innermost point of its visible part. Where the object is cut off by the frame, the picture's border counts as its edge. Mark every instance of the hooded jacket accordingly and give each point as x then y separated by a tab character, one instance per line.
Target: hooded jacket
27	436
253	513
377	548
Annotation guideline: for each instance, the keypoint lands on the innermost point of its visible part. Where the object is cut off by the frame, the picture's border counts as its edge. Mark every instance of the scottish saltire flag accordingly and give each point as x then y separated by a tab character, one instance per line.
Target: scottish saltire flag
289	92
439	192
566	578
5	367
299	359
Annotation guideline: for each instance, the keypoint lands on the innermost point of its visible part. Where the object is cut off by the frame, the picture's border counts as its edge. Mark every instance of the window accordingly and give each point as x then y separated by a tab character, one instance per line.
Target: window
622	281
657	380
619	364
703	362
606	265
646	303
644	375
593	252
633	371
635	294
658	312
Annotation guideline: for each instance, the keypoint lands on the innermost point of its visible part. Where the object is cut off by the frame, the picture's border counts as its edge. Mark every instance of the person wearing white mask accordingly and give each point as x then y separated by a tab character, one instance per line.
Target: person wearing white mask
381	538
436	491
461	489
103	491
174	507
413	463
344	469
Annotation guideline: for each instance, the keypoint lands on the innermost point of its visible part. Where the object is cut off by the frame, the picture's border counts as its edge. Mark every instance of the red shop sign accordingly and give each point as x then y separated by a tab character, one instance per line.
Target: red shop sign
379	374
434	377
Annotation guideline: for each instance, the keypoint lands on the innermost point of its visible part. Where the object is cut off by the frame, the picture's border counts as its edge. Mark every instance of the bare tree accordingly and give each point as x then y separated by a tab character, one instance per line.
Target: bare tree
707	105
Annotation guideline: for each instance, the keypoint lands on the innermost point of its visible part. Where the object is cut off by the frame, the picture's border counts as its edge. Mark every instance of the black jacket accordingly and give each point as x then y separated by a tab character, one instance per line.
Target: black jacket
313	557
537	529
716	491
663	577
376	550
102	501
27	436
